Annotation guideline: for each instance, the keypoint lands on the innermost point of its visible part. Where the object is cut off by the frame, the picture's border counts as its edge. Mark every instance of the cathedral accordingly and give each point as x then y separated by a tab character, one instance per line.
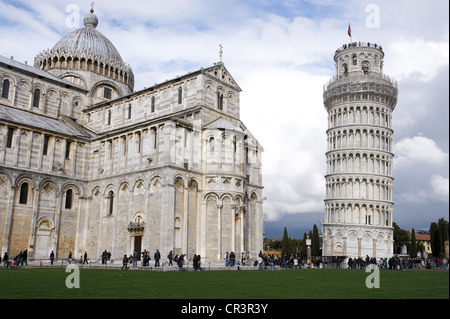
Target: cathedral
87	164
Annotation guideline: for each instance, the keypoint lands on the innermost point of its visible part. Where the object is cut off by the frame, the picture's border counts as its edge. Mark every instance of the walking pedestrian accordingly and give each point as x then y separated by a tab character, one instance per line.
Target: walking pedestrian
180	262
85	261
170	257
194	262
25	257
52	257
199	263
69	259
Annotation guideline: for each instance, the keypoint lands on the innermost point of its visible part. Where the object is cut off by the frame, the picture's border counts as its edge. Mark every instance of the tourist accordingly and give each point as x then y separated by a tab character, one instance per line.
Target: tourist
157	258
260	262
135	256
85	258
52	257
124	262
69	259
195	262
145	258
180	262
18	259
249	257
170	257
272	262
232	259
24	258
199	263
226	259
5	260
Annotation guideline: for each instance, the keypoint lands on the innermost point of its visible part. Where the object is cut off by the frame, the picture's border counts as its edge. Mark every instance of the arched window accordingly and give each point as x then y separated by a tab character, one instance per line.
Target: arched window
365	68
219	101
5	89
69	199
129	111
46	140
153	104
354	59
23	199
345	68
68	144
211	144
180	95
110	202
36	97
109	117
9	138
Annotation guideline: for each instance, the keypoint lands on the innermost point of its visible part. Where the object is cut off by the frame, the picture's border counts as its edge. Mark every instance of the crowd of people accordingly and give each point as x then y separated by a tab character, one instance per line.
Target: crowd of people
263	261
145	260
398	263
18	260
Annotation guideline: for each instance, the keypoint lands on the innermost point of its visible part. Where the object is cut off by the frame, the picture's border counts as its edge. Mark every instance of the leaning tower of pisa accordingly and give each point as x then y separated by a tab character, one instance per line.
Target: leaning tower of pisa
358	203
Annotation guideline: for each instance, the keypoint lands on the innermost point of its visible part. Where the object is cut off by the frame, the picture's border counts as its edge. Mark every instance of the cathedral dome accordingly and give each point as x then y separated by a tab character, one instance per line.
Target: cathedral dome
86	50
88	41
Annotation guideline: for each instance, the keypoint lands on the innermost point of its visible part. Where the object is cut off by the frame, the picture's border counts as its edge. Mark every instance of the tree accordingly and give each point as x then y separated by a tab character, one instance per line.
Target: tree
303	246
443	235
315	242
401	238
413	245
438	235
285	244
434	239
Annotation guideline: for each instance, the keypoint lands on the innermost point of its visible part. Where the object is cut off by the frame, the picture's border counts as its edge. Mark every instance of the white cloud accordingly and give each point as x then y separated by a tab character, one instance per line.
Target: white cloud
440	187
417	150
417	58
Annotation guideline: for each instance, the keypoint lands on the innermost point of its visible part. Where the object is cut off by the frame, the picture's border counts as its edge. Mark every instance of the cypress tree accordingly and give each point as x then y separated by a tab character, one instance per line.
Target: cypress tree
303	246
413	245
315	242
285	245
442	227
434	239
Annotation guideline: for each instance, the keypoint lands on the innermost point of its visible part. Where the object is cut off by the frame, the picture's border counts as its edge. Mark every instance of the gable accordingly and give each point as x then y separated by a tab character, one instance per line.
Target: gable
219	72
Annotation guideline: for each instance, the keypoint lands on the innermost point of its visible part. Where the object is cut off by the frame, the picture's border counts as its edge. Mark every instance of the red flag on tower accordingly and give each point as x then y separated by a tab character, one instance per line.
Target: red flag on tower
349	31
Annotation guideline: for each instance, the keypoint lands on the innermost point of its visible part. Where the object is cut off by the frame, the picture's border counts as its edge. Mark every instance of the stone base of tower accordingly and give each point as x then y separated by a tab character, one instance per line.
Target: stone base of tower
357	241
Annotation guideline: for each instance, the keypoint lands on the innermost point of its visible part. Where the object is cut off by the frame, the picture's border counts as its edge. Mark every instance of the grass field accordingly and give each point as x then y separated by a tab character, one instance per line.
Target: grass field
279	284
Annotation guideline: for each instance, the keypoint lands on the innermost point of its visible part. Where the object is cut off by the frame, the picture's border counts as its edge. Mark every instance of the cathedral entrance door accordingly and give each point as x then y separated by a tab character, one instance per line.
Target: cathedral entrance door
138	245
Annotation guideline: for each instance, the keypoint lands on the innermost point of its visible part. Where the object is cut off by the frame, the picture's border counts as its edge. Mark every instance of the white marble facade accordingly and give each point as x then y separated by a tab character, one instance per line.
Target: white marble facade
87	164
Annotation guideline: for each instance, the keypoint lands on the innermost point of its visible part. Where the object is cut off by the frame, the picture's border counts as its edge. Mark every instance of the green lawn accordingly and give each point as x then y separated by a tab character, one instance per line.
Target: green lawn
233	284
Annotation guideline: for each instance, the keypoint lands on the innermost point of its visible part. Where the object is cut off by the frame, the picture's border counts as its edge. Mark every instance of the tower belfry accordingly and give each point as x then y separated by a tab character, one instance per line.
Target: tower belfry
359	100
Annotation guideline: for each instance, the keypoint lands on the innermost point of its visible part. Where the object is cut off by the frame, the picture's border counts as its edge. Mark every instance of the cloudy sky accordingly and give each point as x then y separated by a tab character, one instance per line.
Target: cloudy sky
281	55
